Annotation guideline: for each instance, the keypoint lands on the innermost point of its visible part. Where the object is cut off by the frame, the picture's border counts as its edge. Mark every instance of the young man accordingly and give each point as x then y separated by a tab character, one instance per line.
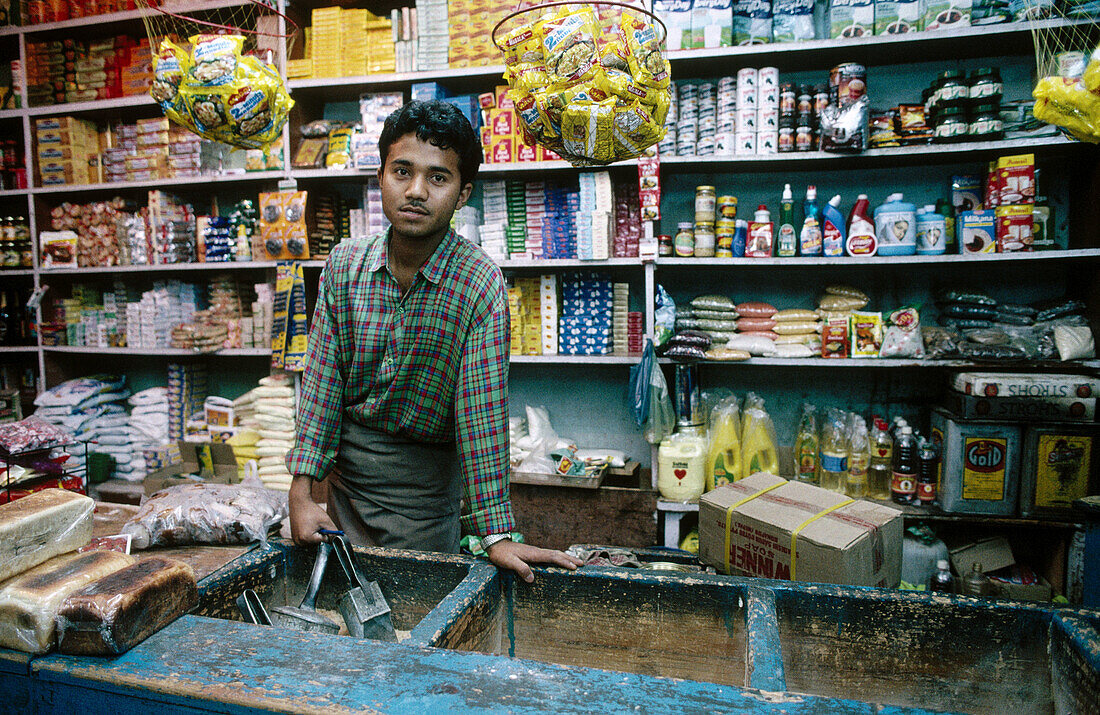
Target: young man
405	394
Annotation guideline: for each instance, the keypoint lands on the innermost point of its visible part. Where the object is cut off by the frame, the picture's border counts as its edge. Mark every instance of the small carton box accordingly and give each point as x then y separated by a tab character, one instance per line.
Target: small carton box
851	18
898	17
209	462
977	232
1002	384
1021	409
766	526
993	554
947	14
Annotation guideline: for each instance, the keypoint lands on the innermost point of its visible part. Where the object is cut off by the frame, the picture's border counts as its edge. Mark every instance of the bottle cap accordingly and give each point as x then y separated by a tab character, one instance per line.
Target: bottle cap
787	192
942	564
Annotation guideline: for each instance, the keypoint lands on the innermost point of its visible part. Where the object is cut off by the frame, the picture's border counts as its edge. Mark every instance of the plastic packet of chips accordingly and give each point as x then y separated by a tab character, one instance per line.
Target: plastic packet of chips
1066	103
611	44
170	66
633	130
525	68
569	47
647	62
586	130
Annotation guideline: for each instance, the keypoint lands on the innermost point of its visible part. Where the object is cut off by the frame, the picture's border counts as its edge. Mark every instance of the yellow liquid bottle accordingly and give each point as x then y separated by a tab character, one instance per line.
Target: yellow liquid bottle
724	455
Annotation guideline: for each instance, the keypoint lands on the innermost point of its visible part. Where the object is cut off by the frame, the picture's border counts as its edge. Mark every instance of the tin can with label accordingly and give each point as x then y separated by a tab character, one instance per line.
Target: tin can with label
746	144
727	208
848	83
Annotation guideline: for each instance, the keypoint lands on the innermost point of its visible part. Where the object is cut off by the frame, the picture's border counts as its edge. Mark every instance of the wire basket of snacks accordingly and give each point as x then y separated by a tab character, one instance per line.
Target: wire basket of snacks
1067	62
214	72
589	81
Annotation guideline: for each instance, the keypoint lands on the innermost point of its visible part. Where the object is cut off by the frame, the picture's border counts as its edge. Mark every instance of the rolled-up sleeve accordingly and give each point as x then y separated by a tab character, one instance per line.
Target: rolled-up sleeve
321	402
481	425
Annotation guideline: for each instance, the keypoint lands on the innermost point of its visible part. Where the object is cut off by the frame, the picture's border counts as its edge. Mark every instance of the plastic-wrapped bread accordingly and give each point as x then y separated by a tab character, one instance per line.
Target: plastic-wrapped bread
29	602
40	526
115	613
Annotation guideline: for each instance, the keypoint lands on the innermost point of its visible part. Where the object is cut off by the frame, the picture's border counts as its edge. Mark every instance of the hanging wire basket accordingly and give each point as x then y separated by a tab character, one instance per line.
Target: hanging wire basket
214	69
1068	68
590	81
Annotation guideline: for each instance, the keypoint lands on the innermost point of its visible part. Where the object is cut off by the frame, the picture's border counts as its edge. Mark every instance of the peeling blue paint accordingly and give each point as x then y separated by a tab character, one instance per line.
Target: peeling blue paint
765	661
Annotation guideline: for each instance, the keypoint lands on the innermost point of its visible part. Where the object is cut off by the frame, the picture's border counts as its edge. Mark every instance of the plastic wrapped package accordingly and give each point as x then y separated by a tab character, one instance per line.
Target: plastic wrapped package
755	345
847	291
206	514
113	614
971	298
940	343
758	441
662	414
750	325
1066	103
664	317
794	315
31	433
1074	342
833	302
756	310
725	354
716	303
903	337
29	602
977	351
40	526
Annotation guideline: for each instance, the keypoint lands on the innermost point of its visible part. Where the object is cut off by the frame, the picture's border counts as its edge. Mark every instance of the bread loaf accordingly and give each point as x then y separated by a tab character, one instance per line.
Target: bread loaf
40	526
29	602
115	613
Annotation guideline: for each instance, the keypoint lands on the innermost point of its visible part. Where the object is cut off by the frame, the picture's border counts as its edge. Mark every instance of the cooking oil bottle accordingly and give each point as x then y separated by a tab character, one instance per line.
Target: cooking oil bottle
834	454
859	458
806	446
880	468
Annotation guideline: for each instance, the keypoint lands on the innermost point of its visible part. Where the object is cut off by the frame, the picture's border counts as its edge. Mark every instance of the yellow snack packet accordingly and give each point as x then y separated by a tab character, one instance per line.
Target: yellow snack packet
633	131
1091	78
586	131
170	65
659	109
611	45
532	120
1066	103
647	63
624	87
569	47
524	65
214	59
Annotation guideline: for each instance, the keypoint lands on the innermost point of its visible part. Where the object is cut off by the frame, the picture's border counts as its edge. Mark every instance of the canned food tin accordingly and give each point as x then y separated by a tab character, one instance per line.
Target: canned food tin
767	142
769	97
748	77
747	98
767	120
746	120
768	77
746	143
849	81
727	209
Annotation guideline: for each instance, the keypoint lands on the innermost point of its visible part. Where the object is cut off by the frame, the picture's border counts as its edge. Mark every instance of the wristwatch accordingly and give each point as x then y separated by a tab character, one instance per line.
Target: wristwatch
487	541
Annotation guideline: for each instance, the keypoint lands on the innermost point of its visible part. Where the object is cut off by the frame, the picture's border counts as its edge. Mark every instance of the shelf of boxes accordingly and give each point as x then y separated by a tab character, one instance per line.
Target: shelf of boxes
18	349
195	182
11	272
95	106
627	359
159	352
158	268
898	363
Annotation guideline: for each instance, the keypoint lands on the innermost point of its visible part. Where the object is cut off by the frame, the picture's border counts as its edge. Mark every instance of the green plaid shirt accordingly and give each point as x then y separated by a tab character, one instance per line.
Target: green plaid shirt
431	365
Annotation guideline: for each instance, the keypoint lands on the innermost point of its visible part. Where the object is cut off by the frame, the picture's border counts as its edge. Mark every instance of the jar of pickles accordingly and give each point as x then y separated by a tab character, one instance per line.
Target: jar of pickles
684	242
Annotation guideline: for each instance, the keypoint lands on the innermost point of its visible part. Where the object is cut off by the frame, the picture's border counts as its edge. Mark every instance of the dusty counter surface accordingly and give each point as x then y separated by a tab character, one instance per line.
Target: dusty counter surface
598	640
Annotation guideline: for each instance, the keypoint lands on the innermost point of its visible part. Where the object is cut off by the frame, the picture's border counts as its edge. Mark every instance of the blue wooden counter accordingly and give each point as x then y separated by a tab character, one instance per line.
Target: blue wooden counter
598	640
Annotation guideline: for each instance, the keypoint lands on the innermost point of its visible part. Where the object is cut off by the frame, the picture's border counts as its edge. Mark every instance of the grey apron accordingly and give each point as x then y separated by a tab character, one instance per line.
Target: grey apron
396	492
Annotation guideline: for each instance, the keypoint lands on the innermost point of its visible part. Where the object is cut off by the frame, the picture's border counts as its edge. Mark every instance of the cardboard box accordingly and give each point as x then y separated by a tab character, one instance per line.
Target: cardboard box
1041	591
997	384
995	554
1021	409
213	463
858	543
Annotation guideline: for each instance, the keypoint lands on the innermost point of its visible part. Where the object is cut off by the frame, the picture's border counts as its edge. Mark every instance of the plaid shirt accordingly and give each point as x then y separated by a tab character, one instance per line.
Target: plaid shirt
431	365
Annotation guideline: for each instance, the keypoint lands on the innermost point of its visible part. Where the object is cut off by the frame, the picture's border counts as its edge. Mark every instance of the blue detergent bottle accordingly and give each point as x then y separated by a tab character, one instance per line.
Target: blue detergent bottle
832	228
896	227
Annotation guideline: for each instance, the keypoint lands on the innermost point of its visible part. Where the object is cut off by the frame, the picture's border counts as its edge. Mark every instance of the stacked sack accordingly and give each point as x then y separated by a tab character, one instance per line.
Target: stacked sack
713	317
756	329
148	424
273	406
91	408
798	333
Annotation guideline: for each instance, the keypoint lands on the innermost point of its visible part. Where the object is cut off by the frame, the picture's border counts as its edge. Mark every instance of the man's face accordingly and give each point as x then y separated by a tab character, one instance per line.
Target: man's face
421	187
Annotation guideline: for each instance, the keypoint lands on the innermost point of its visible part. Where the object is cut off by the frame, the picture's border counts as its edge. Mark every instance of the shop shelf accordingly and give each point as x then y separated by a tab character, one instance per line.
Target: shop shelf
683	507
919	513
96	106
158	268
195	181
618	359
18	349
128	16
11	114
1079	254
9	272
156	352
5	193
330	88
551	264
951	45
910	155
815	362
487	170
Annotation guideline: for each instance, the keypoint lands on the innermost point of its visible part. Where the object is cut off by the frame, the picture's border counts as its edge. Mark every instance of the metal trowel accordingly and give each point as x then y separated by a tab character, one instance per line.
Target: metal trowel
305	617
364	608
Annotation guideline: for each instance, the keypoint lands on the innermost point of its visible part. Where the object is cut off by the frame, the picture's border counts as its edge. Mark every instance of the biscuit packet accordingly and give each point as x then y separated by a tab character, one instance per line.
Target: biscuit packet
611	44
644	55
586	130
569	47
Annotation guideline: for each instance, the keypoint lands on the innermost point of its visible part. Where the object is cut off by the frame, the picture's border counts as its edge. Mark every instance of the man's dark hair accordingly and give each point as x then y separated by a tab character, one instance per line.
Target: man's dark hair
441	124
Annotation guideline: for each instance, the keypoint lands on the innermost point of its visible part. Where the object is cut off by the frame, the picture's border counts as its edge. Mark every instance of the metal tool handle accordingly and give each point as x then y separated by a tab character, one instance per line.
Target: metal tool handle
252	608
319	564
347	560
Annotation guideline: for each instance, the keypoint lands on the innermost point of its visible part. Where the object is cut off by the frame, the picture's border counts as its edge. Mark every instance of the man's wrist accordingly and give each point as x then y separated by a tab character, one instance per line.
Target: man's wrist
493	539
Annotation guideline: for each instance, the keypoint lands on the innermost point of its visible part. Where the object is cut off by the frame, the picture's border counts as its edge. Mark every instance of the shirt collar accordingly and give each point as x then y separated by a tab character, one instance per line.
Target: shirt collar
431	270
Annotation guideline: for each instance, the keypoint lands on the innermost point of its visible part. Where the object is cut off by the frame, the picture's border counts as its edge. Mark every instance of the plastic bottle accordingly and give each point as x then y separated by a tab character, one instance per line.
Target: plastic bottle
896	227
724	454
976	583
834	454
931	232
758	446
903	483
806	446
881	467
832	228
809	239
945	209
862	240
920	550
859	459
681	466
740	238
942	581
787	240
762	215
926	480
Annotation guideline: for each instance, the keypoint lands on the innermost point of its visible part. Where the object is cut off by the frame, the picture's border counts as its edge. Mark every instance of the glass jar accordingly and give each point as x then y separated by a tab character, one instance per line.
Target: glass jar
788	99
952	91
986	86
705	201
786	139
951	126
684	242
704	240
804	138
986	123
805	103
664	245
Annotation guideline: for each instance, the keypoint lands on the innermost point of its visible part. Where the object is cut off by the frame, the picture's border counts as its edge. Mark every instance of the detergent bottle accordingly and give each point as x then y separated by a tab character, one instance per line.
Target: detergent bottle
862	240
724	454
896	227
787	240
759	452
832	228
809	240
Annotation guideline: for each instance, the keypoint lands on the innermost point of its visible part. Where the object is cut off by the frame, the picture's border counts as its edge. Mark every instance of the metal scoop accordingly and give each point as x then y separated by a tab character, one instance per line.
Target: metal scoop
364	608
252	608
305	617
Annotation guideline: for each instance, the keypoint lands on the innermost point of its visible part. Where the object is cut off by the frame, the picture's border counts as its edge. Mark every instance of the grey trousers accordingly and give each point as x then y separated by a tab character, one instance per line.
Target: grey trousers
396	492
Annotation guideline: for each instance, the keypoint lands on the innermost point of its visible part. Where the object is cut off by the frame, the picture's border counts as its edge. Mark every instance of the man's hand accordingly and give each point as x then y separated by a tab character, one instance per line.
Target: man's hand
306	515
507	554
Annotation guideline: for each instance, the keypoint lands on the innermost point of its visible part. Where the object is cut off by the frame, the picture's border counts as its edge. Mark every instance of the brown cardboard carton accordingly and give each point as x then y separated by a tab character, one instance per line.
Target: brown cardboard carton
993	553
835	539
214	463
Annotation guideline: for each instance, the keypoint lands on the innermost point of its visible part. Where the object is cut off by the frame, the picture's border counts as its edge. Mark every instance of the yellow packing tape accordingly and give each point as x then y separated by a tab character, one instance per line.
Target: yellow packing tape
803	525
729	517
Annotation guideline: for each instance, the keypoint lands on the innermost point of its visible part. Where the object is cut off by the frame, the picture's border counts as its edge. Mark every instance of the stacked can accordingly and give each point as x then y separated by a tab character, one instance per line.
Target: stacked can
767	111
667	146
725	226
706	205
708	118
788	104
748	96
687	137
725	139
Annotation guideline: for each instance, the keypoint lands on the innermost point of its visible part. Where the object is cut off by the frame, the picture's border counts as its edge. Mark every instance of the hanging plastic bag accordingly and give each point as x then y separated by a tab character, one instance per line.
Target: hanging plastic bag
639	384
664	318
759	452
662	414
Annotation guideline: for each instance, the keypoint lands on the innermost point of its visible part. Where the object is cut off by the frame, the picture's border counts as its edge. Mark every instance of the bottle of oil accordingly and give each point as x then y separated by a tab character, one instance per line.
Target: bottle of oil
976	583
806	446
834	453
882	460
903	483
859	458
942	580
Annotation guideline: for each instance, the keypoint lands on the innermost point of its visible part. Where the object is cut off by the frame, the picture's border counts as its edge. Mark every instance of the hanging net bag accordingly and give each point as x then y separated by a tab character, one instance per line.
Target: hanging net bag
1067	62
214	69
589	81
